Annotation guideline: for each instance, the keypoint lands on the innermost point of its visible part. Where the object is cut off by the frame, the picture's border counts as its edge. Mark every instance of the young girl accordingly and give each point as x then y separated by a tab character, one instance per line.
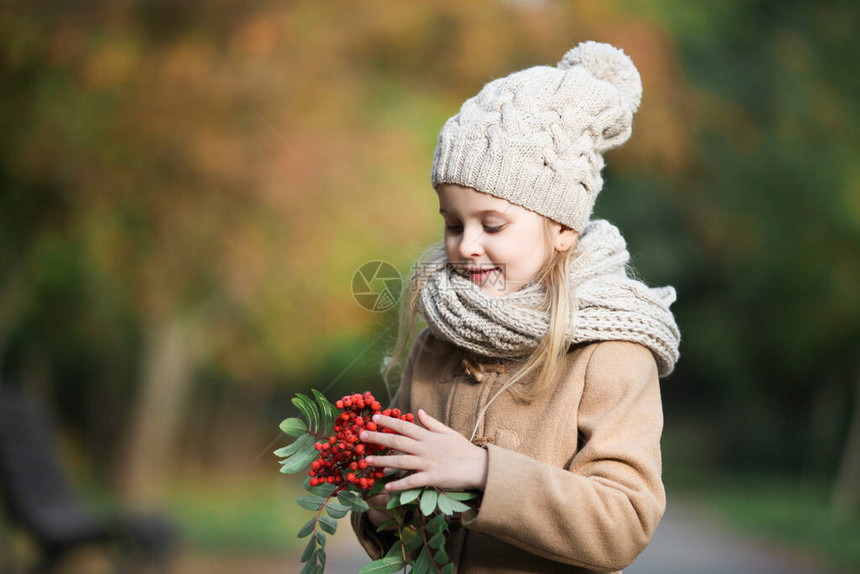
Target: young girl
536	381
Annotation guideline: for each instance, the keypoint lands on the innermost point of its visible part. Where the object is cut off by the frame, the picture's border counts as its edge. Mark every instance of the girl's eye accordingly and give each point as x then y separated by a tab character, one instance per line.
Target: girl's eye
493	228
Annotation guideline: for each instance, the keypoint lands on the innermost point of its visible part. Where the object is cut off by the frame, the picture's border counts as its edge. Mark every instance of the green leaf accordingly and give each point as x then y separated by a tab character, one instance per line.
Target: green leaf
393	502
328	524
328	410
448	568
441	557
422	564
294	427
414	543
310	568
408	496
352	501
334	505
445	505
386	525
307	407
311	502
295	446
336	512
308	527
320	537
448	506
458	506
387	565
428	501
437	541
460	495
436	524
299	460
325	489
308	552
395	550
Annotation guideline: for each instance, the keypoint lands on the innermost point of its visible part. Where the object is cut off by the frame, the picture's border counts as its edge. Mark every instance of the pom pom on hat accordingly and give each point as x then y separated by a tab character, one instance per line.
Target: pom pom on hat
610	64
536	137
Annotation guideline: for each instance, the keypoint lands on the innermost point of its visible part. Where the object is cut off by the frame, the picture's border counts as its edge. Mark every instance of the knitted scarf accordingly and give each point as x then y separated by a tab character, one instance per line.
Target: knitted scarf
611	306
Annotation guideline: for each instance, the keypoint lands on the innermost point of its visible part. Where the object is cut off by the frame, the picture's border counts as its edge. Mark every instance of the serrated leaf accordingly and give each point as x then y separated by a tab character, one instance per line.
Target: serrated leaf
351	501
462	495
309	409
428	501
448	506
445	505
310	501
294	427
408	496
441	557
295	446
458	506
308	552
299	460
307	528
387	565
328	411
328	524
437	541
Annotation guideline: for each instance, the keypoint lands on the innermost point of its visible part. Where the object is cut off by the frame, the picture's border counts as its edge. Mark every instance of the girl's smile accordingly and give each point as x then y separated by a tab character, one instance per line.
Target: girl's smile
481	274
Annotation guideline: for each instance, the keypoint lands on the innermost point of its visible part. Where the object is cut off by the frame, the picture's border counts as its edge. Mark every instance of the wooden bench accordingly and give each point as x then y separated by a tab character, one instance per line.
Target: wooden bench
39	499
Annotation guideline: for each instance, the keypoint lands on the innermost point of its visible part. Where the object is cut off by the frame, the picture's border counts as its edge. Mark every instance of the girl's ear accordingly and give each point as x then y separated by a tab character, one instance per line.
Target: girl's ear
565	237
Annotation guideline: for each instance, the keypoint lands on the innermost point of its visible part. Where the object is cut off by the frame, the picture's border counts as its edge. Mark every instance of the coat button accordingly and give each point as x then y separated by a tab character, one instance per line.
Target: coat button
473	370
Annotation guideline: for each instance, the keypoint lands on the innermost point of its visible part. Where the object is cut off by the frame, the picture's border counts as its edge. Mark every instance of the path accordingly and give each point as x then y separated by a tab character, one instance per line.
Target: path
686	542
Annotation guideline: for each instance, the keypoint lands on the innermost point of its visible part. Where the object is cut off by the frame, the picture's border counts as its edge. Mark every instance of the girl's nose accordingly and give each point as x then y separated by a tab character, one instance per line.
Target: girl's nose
470	243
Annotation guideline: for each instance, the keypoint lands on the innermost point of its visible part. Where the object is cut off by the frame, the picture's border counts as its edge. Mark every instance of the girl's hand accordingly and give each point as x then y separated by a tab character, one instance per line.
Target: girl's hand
439	455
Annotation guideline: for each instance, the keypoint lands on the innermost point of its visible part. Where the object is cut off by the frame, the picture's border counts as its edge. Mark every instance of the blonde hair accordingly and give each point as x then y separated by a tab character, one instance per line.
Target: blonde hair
543	364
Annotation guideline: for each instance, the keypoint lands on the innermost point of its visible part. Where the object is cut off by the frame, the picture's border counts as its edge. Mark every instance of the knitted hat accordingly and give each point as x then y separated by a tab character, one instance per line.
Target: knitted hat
536	137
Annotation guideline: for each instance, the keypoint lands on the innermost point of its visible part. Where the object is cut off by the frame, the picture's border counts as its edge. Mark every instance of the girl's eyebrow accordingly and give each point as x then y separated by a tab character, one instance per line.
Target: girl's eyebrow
443	211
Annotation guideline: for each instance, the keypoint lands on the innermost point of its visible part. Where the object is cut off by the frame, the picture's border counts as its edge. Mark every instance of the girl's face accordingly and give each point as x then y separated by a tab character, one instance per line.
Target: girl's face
498	245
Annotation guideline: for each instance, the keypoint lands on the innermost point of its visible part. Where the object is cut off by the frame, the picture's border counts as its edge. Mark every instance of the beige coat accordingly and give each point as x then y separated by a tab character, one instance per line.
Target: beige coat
573	483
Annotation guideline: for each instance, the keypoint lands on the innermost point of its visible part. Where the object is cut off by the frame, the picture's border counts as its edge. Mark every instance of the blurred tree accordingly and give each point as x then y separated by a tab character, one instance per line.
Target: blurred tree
769	310
186	191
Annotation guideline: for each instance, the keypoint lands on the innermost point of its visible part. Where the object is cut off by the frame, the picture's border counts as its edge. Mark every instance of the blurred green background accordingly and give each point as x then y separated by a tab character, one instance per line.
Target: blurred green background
186	190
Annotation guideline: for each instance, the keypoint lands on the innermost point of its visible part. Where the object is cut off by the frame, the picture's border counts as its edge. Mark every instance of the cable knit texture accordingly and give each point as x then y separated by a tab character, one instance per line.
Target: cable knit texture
536	137
611	306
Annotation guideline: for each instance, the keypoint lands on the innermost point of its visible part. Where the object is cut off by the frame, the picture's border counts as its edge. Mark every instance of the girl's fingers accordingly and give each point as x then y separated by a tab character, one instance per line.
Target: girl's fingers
395	441
430	423
399	426
416	480
398	461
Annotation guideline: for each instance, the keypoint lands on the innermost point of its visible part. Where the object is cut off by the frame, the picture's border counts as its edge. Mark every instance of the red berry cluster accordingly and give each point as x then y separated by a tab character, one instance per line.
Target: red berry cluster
341	460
